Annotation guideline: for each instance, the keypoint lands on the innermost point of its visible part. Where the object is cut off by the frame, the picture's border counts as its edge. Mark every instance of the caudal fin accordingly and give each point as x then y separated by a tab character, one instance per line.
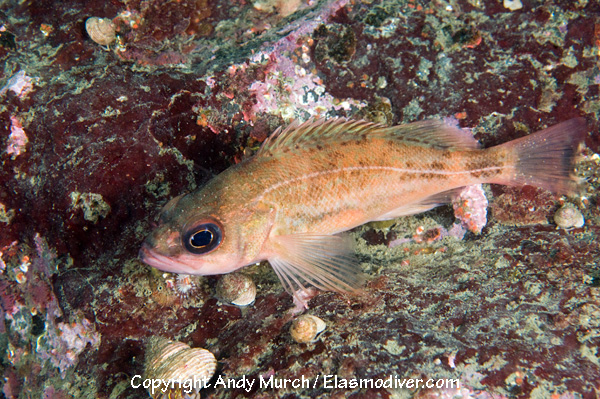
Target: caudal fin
547	158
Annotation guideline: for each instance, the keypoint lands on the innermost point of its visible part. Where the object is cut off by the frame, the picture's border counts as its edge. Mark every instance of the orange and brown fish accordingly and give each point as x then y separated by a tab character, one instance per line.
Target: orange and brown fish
312	181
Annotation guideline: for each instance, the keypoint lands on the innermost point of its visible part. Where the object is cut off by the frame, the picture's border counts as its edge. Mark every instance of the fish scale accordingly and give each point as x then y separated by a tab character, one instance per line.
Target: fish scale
362	187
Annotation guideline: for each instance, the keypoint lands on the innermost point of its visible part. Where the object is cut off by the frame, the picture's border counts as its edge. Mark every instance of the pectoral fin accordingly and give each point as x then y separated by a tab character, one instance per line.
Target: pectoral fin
327	262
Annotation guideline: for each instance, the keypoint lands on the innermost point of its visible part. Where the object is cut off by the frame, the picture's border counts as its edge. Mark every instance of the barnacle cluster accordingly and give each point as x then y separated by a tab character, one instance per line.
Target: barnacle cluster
470	207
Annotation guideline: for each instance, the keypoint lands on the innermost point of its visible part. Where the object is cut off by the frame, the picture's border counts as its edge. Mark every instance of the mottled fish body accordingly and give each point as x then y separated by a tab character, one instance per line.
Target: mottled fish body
314	180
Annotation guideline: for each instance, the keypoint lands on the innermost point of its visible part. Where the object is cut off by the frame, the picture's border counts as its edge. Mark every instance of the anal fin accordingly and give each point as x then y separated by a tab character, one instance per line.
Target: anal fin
423	205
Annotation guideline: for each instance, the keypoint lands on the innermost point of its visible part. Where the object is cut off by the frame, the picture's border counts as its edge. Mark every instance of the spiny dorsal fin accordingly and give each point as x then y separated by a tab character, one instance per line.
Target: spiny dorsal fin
316	132
431	133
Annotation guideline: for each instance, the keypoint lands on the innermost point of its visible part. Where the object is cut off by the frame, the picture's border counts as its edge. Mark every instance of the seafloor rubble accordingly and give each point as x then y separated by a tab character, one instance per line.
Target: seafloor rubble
96	139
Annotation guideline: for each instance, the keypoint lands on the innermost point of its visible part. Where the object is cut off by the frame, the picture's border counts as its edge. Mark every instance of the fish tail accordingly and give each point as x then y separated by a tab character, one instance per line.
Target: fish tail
546	158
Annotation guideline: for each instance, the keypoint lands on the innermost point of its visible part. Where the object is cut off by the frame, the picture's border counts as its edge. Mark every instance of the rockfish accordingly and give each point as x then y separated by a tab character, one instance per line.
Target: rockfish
311	181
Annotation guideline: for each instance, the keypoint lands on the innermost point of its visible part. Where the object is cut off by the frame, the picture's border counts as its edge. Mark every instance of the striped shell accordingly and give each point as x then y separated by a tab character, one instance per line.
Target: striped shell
101	30
176	361
306	328
237	289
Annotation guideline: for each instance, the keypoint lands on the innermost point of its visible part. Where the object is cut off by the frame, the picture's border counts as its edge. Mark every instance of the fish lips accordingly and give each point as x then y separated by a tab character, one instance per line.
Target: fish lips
168	264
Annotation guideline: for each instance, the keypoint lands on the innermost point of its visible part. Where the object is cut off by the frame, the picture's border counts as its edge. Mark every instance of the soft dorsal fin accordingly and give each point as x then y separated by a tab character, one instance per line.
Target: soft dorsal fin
431	133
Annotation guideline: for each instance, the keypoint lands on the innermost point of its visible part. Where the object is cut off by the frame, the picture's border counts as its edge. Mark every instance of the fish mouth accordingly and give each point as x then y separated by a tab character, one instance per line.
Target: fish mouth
162	262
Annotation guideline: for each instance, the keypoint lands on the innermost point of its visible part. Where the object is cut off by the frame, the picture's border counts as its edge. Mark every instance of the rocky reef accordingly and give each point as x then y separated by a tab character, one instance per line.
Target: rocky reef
98	133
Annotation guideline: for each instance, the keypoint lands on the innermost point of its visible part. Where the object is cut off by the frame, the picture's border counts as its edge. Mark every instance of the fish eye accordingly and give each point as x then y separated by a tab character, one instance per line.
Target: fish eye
202	238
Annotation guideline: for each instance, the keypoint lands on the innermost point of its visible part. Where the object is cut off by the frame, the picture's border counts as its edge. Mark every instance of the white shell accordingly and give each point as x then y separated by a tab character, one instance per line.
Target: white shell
237	289
176	361
101	30
568	216
306	328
